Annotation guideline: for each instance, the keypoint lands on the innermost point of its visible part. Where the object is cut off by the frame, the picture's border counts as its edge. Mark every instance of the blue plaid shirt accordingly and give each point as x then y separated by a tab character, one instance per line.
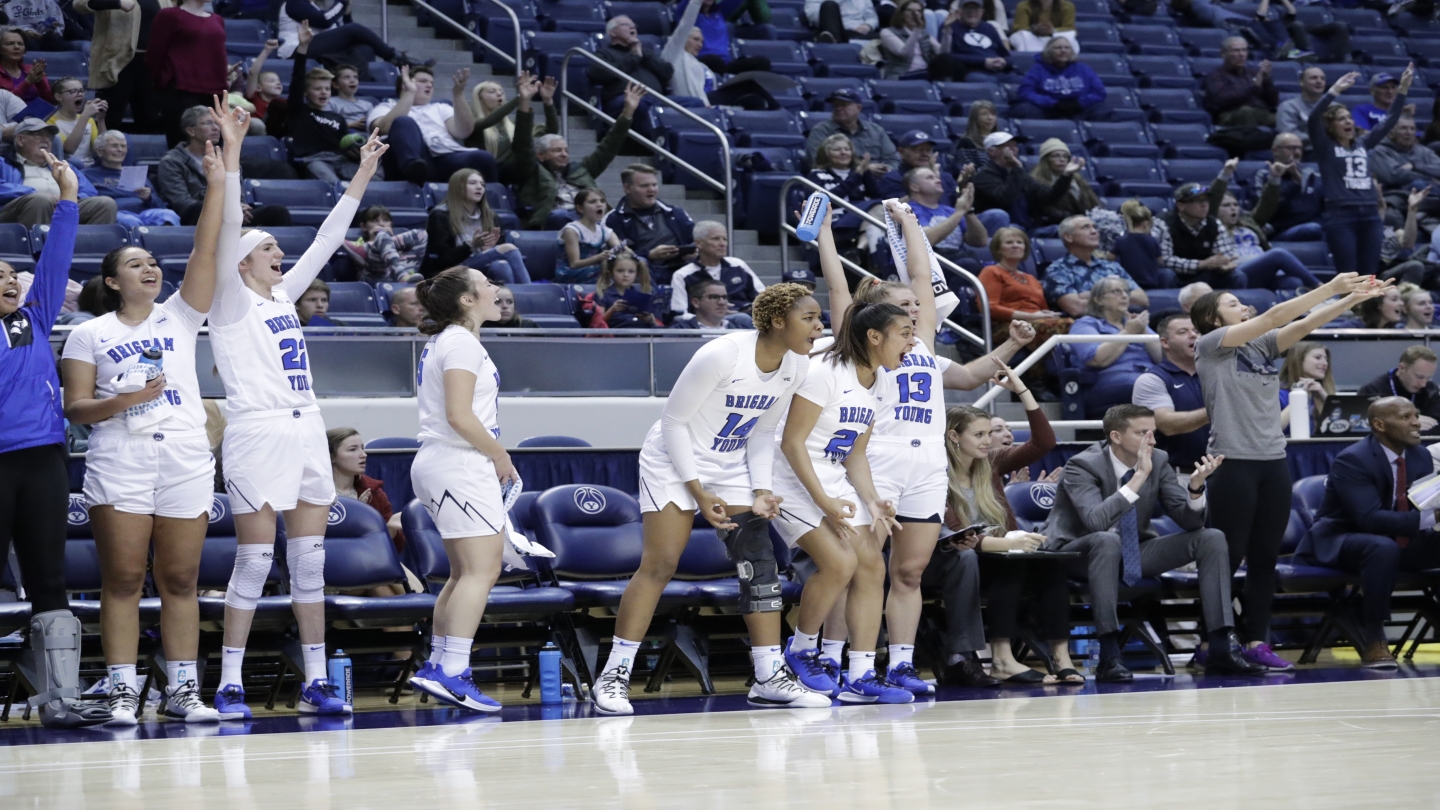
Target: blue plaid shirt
1070	275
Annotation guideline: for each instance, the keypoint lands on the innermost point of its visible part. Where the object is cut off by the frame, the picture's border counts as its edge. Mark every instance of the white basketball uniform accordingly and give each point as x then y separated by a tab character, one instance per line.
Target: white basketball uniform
274	450
163	469
847	411
457	483
718	426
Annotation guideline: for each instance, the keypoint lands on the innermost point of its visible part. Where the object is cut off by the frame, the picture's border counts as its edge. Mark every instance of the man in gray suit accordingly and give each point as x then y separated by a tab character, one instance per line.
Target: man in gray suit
1103	508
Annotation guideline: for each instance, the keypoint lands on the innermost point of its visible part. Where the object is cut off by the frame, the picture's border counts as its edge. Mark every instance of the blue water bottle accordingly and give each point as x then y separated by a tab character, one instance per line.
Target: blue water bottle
341	675
550	673
812	215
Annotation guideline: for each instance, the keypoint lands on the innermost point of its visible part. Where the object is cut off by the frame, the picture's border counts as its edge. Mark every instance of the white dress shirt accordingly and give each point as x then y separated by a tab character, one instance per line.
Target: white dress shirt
1427	516
1129	494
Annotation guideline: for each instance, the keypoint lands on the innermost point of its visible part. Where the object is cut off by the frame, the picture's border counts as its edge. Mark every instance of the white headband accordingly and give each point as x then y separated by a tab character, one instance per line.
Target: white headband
251	240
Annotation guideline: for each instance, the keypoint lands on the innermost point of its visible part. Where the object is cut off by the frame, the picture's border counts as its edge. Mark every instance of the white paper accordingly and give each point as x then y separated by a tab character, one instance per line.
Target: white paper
1425	493
132	177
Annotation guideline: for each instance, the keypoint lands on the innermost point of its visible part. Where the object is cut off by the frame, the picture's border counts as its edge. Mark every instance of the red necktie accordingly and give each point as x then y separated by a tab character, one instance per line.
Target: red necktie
1402	503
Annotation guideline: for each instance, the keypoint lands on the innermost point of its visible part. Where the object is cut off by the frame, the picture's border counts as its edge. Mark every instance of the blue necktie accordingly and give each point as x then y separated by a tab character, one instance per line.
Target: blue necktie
1130	538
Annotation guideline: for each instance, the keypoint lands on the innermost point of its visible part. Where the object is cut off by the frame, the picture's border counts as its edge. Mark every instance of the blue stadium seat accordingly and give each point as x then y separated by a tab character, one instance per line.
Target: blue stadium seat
264	146
1306	496
1262	299
170	245
1100	36
1163	71
144	150
545	51
1040	130
1315	255
353	297
217	563
392	443
694	143
1152	40
651	19
897	125
907	98
539	249
786	57
92	242
62	64
839	60
543	299
573	18
1362	21
1126	139
1132	176
1192	171
1032	502
384	290
1173	105
816	90
1186	141
309	201
1314	15
1113	69
15	246
246	37
1203	41
1383	52
82	566
496	28
961	95
406	201
359	555
766	128
553	441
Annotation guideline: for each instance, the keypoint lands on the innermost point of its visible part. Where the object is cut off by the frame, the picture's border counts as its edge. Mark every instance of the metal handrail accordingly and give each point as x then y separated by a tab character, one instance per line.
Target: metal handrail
726	187
1048	346
986	341
514	20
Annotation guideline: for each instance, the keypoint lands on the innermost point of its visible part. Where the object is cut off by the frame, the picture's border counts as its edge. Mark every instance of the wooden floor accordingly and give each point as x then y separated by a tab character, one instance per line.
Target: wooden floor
1366	743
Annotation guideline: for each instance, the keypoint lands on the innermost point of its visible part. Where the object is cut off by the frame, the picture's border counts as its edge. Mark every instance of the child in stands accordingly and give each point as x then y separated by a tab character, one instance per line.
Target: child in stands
625	294
385	254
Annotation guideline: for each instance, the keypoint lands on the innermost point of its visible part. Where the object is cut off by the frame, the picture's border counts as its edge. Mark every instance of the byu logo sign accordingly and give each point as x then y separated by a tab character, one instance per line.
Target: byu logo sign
589	500
217	510
77	514
337	514
1043	495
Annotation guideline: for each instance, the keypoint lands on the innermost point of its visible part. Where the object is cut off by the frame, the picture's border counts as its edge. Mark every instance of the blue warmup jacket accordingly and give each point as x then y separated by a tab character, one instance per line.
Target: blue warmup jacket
1044	86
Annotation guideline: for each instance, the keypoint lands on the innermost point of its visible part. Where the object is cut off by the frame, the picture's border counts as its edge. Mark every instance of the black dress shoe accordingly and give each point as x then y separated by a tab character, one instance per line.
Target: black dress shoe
1230	660
1113	671
968	672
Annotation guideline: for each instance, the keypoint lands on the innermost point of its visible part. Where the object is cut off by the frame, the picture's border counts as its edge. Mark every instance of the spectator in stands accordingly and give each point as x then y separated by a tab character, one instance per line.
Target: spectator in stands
337	36
407	311
1081	200
118	74
1038	22
1384	312
1238	95
1383	87
1117	364
586	243
426	135
1137	249
624	52
1265	267
1298	193
976	44
1171	389
387	255
316	134
1432	132
909	50
1057	86
1193	244
40	22
693	78
1069	279
28	191
1003	184
263	87
509	315
867	137
1013	293
741	283
1402	164
842	20
182	184
711	18
1281	34
343	98
1089	517
494	131
136	206
314	305
661	233
1307	366
186	62
1365	523
1419	307
625	296
1412	379
847	176
1191	293
80	122
347	463
26	81
1293	113
462	231
1399	259
949	228
917	150
710	309
548	180
981	120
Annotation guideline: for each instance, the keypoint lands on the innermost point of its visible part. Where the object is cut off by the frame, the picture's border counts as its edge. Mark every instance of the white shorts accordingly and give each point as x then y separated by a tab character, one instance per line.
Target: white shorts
280	460
460	490
660	484
911	473
799	515
166	474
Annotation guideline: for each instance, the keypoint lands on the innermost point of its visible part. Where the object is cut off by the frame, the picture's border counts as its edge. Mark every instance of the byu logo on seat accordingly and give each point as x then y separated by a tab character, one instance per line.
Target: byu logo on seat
590	500
337	514
1043	495
77	515
217	510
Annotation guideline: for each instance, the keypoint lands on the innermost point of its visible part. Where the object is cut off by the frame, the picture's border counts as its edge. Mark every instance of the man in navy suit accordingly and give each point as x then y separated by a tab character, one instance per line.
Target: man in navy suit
1367	525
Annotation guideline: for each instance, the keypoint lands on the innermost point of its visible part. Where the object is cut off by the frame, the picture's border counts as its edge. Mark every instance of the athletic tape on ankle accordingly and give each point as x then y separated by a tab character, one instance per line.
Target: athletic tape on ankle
306	558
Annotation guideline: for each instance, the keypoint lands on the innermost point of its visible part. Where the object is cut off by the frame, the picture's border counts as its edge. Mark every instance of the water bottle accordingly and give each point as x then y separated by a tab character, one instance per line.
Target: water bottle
550	673
812	215
341	675
1299	413
147	368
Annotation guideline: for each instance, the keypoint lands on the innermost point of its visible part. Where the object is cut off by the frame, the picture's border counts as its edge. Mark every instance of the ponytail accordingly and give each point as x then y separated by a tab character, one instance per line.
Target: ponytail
852	342
440	295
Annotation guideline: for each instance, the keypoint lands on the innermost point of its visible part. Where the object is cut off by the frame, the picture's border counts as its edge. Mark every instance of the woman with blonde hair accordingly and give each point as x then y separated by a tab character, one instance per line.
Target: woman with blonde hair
1307	366
462	230
494	130
1419	307
620	273
910	51
982	119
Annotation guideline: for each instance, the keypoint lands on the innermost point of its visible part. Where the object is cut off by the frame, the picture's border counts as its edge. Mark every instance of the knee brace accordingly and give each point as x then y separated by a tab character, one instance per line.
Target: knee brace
748	546
306	558
247	581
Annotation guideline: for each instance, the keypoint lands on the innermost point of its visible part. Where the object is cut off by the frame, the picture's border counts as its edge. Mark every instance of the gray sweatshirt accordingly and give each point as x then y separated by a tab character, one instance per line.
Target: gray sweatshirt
1387	162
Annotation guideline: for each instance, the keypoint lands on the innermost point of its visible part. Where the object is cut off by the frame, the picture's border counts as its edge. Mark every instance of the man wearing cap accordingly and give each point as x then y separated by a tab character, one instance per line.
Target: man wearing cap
1238	95
28	190
867	137
1383	87
975	43
1193	245
917	150
1070	278
1003	183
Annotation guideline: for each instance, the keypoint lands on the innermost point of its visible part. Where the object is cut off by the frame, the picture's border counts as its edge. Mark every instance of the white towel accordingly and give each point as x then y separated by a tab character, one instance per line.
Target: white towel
945	299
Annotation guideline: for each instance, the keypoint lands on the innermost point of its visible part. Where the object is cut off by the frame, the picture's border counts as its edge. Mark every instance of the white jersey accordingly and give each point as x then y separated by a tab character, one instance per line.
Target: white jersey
721	415
258	342
847	411
113	347
915	401
455	348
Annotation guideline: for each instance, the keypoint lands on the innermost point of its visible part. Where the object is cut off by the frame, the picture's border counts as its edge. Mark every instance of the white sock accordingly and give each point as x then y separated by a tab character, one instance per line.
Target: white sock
230	660
314	661
901	654
832	649
437	648
767	661
801	642
122	673
861	663
622	653
180	672
457	655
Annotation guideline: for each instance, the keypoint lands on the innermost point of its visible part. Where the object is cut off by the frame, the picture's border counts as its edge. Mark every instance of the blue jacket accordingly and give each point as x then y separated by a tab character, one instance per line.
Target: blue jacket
29	386
1360	499
1044	86
624	223
108	183
12	183
972	46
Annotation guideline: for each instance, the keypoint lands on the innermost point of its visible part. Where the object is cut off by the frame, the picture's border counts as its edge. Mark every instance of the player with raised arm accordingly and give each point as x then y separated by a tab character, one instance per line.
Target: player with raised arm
713	450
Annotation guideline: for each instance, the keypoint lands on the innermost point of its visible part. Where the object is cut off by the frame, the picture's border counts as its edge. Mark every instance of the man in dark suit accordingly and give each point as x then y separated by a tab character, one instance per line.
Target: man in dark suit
1103	508
1367	525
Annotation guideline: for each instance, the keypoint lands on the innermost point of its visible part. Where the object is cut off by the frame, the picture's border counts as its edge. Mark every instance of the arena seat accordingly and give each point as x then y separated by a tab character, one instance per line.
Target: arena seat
1123	139
1164	72
59	64
651	19
393	443
818	89
309	201
1187	142
266	146
900	97
1032	502
352	297
92	242
358	555
1306	496
82	567
246	37
217	562
574	17
786	56
553	441
144	150
406	201
768	128
385	290
840	60
1173	105
539	249
16	248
